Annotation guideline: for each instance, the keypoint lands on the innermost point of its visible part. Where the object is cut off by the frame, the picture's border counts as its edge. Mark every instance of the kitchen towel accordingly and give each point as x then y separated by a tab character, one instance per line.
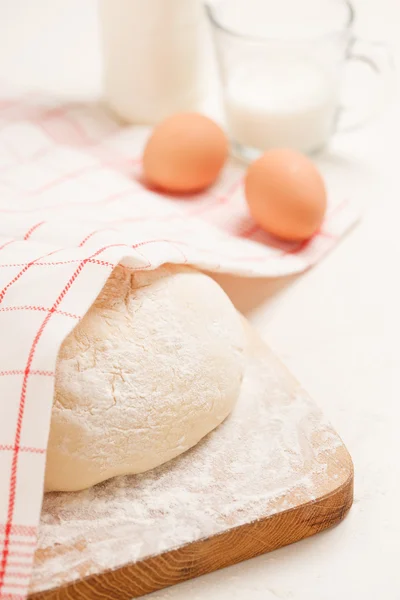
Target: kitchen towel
72	206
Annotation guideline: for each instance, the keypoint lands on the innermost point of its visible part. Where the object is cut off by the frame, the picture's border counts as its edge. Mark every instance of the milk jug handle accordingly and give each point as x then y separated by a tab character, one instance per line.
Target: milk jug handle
375	57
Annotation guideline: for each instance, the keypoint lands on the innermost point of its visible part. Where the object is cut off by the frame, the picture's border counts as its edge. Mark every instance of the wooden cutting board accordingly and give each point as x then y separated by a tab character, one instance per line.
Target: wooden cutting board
273	473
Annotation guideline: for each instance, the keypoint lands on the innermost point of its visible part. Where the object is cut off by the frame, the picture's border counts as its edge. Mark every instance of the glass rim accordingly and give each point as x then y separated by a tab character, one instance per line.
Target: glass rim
216	22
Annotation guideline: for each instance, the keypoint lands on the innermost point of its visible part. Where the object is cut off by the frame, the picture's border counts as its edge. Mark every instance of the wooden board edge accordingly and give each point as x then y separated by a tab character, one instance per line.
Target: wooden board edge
204	556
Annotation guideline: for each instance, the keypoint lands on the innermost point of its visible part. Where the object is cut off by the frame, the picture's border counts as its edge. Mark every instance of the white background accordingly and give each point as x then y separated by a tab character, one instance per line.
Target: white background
336	327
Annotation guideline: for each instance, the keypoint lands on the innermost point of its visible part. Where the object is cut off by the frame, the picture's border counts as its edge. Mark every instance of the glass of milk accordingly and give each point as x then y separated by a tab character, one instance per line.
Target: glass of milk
281	64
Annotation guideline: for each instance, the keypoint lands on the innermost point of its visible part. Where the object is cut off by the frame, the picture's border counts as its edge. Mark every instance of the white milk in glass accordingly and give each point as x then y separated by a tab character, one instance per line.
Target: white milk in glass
281	102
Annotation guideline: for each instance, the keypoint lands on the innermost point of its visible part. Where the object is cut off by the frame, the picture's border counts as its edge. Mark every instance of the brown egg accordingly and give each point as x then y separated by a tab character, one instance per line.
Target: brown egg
286	194
185	153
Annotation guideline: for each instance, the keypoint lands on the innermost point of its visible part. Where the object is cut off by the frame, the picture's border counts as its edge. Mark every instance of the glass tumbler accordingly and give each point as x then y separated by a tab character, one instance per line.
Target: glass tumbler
282	65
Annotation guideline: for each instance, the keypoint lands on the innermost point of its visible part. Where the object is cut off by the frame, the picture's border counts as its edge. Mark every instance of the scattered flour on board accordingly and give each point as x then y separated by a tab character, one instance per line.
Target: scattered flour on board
268	456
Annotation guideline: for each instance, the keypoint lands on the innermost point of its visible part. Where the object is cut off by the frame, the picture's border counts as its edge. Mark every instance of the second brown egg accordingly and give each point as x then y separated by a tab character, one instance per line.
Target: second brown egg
286	194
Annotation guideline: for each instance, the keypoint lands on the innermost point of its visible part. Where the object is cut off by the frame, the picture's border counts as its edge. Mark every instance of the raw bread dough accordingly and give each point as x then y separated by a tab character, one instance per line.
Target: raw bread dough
154	366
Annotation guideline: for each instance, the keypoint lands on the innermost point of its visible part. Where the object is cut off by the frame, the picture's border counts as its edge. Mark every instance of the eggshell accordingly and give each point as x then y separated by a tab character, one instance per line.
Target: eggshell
286	194
185	153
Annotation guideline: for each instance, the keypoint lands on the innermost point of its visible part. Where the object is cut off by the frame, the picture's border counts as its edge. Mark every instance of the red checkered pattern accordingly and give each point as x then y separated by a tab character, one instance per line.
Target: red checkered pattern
72	207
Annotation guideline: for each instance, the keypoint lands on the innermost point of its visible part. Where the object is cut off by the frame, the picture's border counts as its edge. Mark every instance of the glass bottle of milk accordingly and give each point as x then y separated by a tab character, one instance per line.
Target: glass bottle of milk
152	57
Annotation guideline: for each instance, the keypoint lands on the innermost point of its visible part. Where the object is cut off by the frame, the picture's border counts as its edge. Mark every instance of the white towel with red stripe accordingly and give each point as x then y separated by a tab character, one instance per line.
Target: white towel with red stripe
71	208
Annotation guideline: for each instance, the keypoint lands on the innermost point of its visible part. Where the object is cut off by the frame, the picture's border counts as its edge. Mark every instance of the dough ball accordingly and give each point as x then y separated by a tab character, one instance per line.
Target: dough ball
155	365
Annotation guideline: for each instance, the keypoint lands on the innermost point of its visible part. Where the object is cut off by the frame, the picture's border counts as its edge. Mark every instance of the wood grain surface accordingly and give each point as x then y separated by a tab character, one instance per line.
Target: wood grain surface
235	544
135	580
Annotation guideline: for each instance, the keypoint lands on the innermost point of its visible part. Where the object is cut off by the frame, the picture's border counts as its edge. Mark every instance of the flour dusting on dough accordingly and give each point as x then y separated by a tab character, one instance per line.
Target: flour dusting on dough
155	365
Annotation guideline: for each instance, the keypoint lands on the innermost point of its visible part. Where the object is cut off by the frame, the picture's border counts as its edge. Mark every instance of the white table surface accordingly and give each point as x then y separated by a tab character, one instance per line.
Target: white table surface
336	327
